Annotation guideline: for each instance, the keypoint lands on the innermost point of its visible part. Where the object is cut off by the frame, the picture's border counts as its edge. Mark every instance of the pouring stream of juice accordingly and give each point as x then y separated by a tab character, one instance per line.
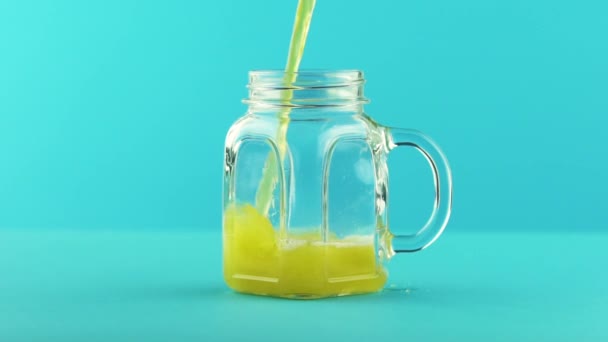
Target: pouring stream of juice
256	259
269	179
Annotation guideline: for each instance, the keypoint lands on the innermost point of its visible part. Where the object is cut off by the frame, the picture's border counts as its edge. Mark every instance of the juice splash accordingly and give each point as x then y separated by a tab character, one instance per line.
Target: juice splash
257	260
296	50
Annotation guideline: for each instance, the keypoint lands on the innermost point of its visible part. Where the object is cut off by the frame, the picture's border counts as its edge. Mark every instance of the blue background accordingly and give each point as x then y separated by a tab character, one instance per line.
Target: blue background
112	123
113	114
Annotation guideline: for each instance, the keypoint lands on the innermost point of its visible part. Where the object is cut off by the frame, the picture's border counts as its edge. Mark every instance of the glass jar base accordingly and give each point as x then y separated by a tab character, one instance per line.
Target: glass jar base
273	288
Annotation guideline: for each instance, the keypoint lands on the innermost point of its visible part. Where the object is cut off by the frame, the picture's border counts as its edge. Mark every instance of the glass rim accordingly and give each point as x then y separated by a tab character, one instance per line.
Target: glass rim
307	72
305	78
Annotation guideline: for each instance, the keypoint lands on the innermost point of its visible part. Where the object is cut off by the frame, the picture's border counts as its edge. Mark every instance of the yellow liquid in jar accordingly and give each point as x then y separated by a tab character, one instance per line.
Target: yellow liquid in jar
300	265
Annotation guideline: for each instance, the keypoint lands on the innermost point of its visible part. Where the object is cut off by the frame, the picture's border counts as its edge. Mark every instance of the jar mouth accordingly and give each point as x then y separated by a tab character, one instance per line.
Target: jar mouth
307	78
308	87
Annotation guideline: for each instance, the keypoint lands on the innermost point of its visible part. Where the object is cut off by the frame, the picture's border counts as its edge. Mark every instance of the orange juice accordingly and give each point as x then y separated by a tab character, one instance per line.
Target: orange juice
303	265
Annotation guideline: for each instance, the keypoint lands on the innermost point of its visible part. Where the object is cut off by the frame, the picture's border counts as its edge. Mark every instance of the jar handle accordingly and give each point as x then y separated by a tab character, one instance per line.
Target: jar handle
442	176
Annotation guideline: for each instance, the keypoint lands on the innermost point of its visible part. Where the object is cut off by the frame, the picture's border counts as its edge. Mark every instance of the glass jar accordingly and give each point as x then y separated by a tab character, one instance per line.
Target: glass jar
306	189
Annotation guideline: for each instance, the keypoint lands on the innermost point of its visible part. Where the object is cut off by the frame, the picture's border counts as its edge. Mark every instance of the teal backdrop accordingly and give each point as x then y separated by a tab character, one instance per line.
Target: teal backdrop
112	123
113	113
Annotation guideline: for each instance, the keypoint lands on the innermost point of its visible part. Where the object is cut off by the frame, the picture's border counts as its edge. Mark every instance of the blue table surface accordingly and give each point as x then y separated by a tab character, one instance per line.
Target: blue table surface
168	286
